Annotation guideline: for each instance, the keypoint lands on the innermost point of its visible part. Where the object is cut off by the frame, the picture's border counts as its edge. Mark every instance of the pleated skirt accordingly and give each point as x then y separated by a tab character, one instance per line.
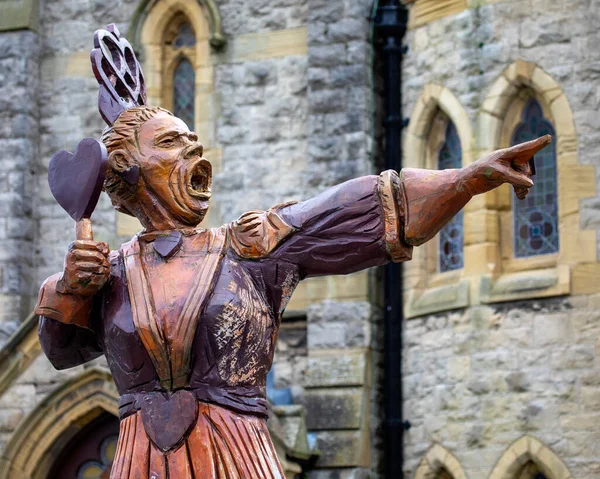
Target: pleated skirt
222	445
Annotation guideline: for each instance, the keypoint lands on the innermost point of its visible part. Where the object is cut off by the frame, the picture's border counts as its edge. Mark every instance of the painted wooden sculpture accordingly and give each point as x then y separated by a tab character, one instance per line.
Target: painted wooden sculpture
187	317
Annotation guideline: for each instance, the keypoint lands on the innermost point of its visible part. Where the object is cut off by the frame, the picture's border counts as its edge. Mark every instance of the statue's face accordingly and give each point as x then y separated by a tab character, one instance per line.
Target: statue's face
172	168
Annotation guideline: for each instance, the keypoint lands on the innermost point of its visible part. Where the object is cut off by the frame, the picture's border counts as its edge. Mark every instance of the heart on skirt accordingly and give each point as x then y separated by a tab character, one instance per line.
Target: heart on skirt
169	417
168	245
76	179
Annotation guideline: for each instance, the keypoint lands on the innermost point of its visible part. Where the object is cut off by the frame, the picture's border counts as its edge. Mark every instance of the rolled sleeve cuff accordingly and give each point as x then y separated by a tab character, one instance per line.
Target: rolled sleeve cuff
63	307
393	200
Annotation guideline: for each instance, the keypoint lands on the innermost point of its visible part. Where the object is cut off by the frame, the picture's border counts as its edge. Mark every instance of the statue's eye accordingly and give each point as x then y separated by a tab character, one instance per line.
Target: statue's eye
167	142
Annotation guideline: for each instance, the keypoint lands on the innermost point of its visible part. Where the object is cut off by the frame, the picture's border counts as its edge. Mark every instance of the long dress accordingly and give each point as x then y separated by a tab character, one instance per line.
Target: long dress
189	340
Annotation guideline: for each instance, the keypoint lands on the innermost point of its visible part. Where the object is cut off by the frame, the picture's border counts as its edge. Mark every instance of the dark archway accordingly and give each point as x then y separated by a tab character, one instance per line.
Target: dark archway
89	454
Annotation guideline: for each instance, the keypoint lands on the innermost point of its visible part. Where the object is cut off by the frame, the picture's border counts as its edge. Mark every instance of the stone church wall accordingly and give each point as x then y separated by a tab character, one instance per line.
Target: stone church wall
19	80
479	378
291	109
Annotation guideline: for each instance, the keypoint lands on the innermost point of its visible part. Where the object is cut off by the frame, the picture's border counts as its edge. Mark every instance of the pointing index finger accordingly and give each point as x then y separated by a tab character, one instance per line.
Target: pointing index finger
523	152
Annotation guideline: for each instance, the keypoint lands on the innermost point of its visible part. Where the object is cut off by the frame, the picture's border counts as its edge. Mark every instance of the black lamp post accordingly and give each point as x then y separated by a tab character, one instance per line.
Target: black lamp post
390	26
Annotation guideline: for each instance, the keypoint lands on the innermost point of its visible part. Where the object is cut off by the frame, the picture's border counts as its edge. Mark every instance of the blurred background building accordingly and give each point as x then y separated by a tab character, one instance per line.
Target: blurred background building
500	376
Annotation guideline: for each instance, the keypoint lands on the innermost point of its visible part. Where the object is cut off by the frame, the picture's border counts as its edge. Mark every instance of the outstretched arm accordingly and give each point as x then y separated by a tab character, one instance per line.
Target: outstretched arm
370	220
434	197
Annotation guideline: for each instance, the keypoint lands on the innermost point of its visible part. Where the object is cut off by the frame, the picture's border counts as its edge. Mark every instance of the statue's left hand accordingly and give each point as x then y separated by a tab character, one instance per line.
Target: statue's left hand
509	165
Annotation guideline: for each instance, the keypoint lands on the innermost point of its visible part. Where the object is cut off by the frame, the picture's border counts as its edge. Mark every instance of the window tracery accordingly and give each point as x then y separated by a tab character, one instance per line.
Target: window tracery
554	257
439	135
184	79
185	36
536	217
451	241
179	70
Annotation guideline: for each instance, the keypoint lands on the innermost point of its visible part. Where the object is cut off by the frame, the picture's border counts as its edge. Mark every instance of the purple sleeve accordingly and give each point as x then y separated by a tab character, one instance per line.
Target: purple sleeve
340	231
67	345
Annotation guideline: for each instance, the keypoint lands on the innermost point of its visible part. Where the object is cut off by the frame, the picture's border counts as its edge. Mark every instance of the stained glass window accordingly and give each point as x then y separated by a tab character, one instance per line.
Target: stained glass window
99	469
184	78
451	235
536	217
90	453
185	36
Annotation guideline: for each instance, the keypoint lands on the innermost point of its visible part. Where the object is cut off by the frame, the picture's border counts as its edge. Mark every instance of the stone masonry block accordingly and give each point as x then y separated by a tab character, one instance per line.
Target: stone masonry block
340	474
327	55
332	311
341	449
341	368
331	409
345	30
552	329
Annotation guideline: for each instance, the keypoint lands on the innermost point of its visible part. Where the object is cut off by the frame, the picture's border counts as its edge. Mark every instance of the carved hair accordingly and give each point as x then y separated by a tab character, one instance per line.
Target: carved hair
123	135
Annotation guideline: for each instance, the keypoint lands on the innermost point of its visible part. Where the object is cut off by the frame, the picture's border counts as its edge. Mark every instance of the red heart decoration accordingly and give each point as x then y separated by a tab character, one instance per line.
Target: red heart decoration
76	179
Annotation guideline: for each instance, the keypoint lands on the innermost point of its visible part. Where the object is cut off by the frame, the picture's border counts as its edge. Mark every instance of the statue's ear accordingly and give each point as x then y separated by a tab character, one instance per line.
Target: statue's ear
122	163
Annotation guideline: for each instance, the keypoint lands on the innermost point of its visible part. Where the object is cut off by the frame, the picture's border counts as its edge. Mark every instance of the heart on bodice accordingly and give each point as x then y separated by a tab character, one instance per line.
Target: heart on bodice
169	417
76	179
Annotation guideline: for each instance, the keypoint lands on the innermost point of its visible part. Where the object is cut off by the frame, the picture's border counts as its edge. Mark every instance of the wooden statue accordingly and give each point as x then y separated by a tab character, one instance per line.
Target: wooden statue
187	317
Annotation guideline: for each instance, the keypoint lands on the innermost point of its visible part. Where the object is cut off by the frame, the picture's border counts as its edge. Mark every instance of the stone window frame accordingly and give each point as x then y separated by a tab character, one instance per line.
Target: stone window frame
569	271
153	24
159	62
512	119
490	275
428	290
437	139
19	15
172	57
530	471
436	460
434	142
31	449
529	449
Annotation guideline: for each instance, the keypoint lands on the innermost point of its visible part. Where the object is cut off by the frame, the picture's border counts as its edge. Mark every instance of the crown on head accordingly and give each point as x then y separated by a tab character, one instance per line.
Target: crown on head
118	72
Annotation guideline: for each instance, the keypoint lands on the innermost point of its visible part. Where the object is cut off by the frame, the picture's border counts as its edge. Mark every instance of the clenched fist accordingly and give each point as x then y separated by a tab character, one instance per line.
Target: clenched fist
87	268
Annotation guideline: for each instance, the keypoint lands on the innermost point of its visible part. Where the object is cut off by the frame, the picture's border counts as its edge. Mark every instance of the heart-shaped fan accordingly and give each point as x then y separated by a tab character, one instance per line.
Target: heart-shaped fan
76	180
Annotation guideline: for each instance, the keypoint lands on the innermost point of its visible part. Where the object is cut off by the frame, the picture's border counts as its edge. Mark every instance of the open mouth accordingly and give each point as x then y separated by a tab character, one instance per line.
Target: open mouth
199	179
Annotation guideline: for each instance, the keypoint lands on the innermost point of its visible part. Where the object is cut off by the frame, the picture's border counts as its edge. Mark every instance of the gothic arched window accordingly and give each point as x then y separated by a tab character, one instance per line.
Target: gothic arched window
177	38
90	453
184	79
185	36
530	471
180	42
451	236
536	217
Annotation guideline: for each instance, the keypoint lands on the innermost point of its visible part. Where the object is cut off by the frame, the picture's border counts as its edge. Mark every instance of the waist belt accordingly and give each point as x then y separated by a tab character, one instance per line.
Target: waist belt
244	400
